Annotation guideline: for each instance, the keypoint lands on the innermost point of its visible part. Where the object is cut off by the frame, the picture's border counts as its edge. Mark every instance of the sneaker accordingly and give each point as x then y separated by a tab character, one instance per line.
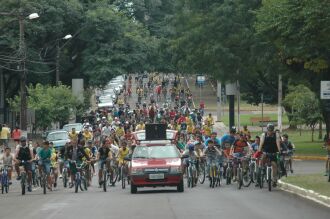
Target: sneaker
60	176
55	184
10	183
29	188
70	185
18	178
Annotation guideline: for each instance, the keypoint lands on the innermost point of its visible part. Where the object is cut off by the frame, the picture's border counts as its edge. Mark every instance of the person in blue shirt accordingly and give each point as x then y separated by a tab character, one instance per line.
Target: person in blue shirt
229	138
255	145
213	138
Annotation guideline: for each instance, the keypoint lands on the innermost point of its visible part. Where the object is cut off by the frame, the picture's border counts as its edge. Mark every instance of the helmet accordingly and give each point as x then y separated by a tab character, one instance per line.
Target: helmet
23	138
285	135
191	147
233	130
270	127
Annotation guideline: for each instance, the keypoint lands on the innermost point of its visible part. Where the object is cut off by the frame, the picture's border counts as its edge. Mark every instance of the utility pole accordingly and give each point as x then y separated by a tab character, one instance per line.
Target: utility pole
22	55
57	78
279	107
219	101
238	106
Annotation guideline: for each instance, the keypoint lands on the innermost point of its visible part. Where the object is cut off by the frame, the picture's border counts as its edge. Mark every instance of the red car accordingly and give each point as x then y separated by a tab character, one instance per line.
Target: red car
155	164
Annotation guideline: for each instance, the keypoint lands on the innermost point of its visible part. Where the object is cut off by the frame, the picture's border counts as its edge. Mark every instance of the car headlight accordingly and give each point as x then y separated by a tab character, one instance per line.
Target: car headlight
137	171
176	169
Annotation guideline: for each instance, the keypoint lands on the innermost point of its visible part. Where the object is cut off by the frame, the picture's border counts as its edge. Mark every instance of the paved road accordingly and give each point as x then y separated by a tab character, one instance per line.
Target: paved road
199	202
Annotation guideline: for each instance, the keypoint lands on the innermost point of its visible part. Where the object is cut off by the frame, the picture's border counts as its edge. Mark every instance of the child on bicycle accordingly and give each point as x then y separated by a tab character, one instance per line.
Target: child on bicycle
7	160
211	152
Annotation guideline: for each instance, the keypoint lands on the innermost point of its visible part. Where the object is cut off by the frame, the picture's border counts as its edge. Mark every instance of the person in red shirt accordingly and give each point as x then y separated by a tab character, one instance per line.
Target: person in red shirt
172	114
16	134
238	150
181	119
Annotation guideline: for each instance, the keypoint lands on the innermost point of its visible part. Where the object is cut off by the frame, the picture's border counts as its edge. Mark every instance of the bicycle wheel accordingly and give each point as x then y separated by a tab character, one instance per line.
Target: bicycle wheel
247	177
65	178
188	177
104	180
76	185
84	181
123	178
261	177
228	176
239	178
252	172
2	187
269	178
44	183
201	173
23	178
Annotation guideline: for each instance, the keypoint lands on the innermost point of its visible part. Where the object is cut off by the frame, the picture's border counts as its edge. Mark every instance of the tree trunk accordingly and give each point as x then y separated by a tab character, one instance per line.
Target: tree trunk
313	129
320	130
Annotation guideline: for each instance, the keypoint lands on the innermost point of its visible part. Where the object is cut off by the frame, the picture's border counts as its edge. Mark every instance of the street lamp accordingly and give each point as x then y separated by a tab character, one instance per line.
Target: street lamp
22	53
58	51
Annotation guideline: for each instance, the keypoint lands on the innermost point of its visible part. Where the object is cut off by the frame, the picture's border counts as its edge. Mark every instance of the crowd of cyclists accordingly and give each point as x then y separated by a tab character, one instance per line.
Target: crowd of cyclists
106	139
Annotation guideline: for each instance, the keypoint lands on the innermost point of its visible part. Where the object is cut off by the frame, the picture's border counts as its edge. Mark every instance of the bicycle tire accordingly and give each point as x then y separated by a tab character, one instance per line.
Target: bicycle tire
104	181
246	178
7	188
85	183
201	174
23	183
65	179
2	188
228	176
261	178
269	180
123	178
239	178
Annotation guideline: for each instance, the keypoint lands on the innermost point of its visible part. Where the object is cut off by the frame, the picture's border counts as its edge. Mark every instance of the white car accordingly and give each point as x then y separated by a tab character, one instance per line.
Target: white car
105	105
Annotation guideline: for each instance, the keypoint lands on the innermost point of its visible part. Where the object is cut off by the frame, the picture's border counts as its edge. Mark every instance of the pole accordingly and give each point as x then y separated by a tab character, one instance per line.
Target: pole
219	102
2	98
238	107
231	111
57	78
279	107
22	52
262	112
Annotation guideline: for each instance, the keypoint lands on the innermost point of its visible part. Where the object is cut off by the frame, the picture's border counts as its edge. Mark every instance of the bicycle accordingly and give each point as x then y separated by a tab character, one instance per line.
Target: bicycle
124	174
4	179
113	173
269	169
23	176
191	173
35	174
229	171
247	172
43	179
201	172
80	177
65	174
239	174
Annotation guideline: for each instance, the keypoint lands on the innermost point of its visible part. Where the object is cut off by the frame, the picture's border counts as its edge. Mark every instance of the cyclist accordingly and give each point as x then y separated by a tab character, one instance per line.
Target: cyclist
7	160
211	153
270	143
45	154
75	153
54	163
214	138
73	135
24	153
326	145
192	155
238	150
104	156
288	146
122	153
229	138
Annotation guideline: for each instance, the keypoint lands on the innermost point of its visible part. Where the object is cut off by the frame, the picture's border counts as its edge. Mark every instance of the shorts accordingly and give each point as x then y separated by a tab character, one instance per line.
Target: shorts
45	164
27	166
101	163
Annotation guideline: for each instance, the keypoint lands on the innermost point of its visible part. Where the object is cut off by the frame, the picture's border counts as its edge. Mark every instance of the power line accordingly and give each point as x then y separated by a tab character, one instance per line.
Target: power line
42	72
10	69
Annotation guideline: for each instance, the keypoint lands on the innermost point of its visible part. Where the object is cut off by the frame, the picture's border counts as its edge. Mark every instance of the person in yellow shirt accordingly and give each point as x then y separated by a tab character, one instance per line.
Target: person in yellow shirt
207	129
120	131
140	126
122	153
54	164
73	135
210	120
87	135
190	128
4	136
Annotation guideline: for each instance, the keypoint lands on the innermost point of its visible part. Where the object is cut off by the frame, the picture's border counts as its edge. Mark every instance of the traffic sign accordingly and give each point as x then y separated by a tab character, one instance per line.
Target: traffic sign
200	79
325	90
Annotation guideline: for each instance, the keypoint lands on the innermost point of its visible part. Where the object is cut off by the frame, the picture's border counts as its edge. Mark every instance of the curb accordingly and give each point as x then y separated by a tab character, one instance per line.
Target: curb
298	157
308	194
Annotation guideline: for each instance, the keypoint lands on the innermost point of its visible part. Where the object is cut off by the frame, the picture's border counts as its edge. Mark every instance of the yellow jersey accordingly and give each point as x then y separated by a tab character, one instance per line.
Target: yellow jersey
122	154
87	136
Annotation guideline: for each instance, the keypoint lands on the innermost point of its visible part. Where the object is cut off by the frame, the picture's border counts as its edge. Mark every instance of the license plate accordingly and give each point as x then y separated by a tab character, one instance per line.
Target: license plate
156	176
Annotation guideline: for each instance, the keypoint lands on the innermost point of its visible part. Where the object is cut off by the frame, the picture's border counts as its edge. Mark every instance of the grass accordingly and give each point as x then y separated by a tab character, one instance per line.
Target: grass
316	182
245	119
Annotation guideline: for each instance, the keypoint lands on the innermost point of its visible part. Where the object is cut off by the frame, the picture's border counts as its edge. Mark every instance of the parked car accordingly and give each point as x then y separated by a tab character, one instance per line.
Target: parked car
59	138
77	126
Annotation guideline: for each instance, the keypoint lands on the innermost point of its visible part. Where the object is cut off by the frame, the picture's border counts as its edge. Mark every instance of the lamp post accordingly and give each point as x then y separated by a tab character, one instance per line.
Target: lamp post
22	55
58	51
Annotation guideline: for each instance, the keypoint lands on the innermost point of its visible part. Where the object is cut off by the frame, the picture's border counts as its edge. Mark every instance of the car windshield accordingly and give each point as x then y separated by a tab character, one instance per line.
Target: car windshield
146	152
56	136
68	127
